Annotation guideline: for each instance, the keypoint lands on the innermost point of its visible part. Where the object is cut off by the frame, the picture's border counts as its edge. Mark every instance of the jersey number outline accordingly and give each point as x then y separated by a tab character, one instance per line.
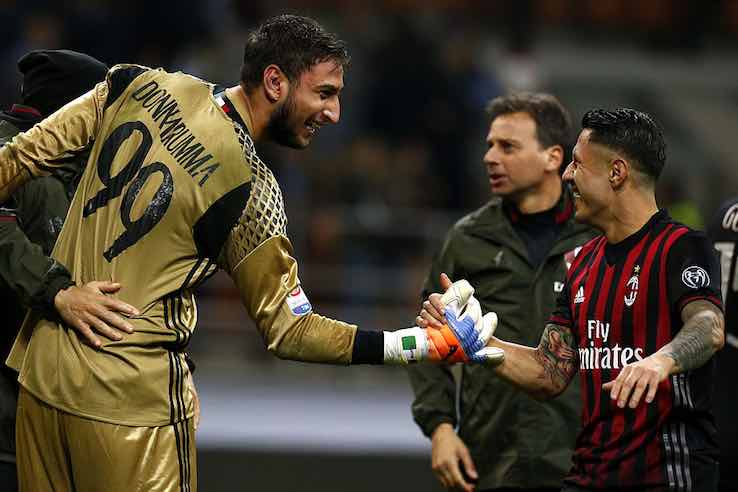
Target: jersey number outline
136	172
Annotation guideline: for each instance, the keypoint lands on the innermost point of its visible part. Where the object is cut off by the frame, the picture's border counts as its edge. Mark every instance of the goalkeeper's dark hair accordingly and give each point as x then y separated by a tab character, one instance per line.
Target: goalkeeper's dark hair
293	43
553	123
634	133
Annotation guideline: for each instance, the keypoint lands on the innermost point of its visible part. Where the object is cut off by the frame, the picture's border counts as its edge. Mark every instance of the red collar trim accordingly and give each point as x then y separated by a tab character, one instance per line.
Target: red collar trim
564	215
18	108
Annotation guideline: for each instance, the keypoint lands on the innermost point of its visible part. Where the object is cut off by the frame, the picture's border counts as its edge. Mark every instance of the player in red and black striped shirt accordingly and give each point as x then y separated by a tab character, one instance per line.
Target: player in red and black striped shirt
640	318
622	303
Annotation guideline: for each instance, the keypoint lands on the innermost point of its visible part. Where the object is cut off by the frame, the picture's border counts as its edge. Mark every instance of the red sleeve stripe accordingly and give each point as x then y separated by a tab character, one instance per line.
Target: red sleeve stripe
558	320
713	299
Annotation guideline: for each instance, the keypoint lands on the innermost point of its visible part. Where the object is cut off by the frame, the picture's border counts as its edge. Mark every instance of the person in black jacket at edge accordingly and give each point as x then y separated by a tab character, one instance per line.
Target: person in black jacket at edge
29	225
723	231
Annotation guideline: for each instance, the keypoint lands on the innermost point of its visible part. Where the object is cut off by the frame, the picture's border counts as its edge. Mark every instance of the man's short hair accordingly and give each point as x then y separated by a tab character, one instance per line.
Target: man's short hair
634	133
553	123
293	43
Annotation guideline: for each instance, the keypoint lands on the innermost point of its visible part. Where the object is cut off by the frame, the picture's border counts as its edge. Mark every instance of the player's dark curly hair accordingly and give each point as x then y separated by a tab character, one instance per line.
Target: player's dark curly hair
553	123
291	42
634	133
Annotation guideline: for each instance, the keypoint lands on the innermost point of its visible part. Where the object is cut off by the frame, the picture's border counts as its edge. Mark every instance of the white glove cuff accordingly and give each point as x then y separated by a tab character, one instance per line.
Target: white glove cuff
406	345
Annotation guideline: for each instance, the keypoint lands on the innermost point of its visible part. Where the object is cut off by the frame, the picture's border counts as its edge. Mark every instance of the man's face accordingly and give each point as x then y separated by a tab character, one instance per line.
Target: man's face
311	102
588	176
516	163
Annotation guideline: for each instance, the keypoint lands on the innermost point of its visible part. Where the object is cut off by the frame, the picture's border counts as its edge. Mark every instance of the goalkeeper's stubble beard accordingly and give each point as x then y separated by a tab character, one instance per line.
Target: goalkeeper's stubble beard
280	128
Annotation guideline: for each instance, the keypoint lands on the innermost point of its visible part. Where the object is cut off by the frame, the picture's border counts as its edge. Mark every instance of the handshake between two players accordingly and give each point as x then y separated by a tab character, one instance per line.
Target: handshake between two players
462	336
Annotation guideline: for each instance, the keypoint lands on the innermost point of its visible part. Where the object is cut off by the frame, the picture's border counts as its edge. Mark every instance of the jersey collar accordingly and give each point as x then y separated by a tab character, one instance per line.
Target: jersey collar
618	251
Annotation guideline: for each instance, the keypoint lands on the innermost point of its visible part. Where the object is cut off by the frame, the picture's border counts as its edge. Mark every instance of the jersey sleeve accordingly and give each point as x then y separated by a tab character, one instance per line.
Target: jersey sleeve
561	314
693	272
259	258
53	142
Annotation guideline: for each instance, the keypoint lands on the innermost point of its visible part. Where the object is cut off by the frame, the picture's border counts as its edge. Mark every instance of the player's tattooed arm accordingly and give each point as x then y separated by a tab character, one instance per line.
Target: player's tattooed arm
702	335
557	355
544	371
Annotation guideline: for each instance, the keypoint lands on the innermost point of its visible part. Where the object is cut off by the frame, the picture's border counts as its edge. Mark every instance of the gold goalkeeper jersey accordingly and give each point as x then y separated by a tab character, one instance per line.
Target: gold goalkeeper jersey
173	190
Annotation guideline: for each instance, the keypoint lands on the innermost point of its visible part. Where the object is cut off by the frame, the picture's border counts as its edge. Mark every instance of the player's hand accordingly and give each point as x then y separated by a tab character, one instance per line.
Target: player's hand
462	339
432	314
639	378
464	336
458	311
88	310
451	460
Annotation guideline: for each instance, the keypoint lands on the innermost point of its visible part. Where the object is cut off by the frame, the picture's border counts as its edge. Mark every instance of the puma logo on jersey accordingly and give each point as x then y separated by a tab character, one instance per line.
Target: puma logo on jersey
451	351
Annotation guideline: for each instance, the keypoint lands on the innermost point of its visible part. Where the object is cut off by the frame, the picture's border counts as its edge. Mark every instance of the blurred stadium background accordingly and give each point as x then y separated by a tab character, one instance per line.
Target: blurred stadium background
370	200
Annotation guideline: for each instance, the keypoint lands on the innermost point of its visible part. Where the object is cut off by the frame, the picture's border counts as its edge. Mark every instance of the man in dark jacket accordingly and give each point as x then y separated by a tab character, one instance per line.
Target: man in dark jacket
515	250
29	225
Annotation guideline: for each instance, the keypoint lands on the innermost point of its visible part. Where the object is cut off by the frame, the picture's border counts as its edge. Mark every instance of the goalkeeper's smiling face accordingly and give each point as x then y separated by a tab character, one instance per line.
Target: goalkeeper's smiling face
311	102
517	164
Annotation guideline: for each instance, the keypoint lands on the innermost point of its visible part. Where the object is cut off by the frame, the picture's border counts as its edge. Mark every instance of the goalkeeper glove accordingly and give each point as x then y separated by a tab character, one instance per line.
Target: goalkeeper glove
463	339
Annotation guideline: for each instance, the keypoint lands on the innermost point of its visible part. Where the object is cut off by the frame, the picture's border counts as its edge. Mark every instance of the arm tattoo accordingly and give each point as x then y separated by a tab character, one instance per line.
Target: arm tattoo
558	355
701	336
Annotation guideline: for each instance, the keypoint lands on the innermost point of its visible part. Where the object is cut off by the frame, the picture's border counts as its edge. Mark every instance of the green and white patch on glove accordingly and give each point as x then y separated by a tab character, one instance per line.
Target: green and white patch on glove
405	346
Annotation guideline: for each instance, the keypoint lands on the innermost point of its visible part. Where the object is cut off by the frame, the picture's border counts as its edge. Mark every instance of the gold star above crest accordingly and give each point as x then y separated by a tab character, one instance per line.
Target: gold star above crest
637	269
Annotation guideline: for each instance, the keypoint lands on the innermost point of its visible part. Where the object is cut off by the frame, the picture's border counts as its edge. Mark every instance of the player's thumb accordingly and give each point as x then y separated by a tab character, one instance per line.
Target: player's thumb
445	281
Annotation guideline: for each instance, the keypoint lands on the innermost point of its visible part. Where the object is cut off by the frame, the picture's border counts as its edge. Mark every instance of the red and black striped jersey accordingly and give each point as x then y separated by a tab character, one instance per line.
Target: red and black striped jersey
623	303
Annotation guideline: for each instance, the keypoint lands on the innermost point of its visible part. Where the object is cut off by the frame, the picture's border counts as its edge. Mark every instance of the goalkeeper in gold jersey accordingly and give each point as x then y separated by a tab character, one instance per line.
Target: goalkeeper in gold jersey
172	191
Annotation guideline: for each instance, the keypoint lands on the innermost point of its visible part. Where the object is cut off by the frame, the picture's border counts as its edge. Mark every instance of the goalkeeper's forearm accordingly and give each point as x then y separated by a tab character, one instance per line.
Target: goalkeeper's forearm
315	338
267	281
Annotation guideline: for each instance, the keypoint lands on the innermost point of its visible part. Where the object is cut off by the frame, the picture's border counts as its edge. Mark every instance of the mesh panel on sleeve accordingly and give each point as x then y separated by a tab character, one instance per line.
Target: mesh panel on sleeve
264	216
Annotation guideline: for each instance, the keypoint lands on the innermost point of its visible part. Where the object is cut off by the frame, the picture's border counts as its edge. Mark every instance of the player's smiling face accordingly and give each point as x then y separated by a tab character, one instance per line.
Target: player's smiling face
587	174
311	102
